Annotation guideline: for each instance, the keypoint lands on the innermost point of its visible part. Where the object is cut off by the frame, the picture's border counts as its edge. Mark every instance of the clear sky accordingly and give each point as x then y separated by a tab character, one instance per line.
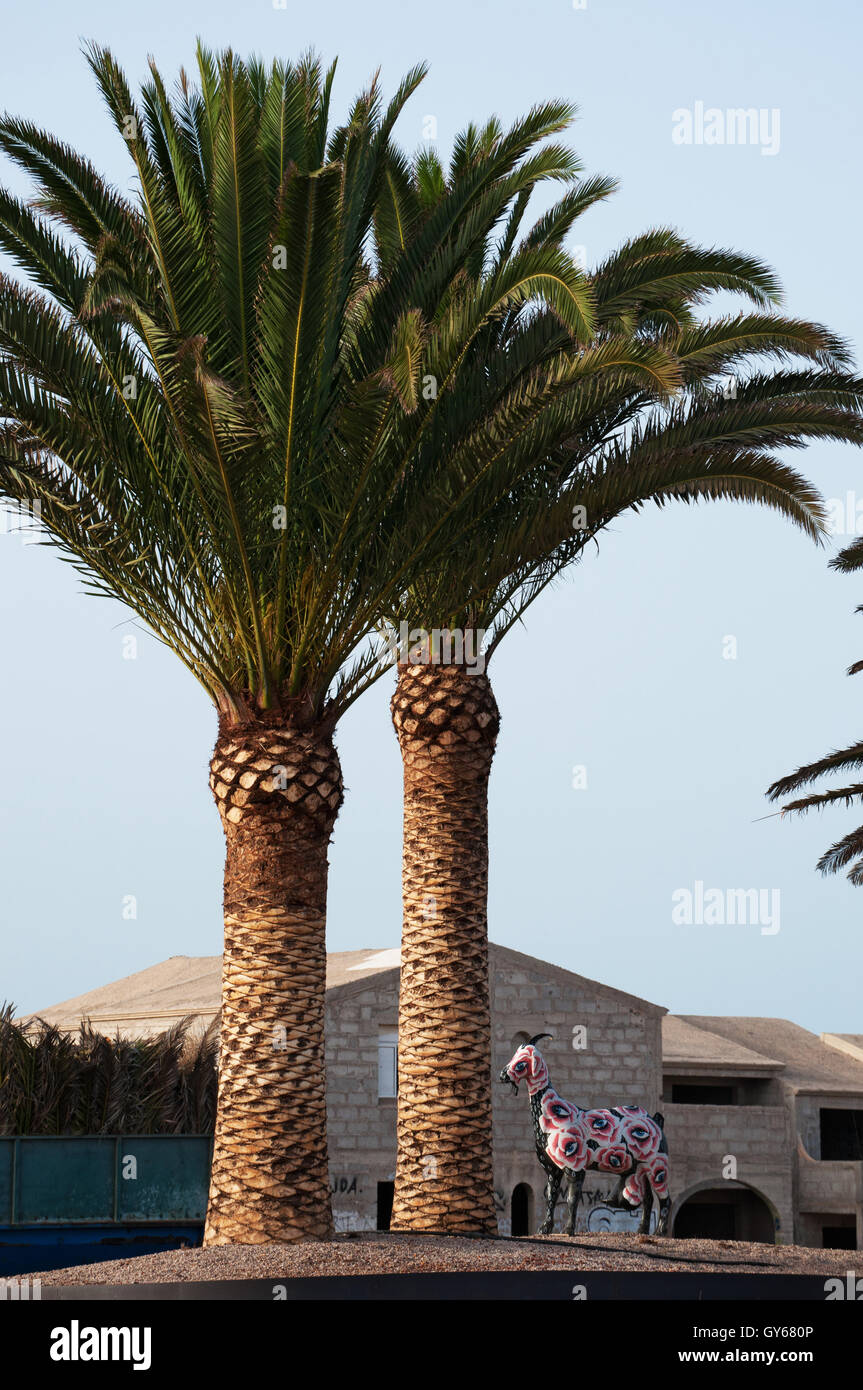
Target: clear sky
623	669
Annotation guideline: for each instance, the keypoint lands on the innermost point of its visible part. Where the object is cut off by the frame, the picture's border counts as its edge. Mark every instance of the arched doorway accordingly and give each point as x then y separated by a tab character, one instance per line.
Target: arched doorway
726	1213
521	1209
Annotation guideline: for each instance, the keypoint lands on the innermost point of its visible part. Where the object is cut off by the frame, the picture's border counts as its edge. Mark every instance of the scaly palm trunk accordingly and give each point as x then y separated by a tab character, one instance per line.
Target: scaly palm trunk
447	722
278	791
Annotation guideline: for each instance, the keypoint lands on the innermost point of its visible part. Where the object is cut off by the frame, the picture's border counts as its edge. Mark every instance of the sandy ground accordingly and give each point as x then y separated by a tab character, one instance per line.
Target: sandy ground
390	1253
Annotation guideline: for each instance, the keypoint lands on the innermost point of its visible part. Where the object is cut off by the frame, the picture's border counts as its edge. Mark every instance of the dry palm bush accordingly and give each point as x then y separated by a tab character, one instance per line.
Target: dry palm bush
53	1082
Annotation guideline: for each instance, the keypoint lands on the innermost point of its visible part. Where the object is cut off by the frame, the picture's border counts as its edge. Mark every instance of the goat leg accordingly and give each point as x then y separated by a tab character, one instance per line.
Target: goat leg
576	1183
617	1198
646	1207
664	1213
552	1188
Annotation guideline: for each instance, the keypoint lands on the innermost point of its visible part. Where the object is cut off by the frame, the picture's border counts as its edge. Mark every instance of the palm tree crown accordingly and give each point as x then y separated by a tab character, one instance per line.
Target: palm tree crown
213	391
658	405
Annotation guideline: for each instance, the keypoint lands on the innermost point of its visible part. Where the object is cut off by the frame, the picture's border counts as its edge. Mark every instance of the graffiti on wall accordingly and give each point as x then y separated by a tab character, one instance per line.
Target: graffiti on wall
603	1218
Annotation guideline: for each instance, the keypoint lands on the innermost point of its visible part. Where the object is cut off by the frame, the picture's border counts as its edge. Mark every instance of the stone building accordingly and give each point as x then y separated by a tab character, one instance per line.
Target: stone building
787	1107
764	1119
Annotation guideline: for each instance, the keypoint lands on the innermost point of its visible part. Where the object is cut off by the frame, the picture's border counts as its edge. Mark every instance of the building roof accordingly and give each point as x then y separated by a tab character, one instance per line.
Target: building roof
153	999
809	1065
852	1043
702	1053
347	967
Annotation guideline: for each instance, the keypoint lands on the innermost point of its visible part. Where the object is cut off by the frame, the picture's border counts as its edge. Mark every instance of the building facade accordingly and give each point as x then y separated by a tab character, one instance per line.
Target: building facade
764	1120
605	1048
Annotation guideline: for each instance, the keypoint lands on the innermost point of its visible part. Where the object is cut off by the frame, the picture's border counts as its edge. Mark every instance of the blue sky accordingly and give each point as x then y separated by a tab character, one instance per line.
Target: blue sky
621	669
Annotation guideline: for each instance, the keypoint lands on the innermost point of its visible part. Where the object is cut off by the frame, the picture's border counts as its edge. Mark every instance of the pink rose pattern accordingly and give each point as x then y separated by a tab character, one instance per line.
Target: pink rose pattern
568	1148
656	1169
557	1113
603	1125
623	1140
614	1159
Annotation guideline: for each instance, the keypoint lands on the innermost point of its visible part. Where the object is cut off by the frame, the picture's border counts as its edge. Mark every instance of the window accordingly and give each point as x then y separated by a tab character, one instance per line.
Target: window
388	1077
842	1134
680	1089
702	1095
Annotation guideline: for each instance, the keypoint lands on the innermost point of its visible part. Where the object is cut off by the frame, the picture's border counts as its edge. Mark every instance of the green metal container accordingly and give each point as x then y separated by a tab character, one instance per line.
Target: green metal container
123	1179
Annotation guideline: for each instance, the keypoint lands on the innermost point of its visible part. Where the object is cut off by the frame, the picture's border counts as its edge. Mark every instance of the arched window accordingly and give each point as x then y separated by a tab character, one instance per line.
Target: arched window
521	1209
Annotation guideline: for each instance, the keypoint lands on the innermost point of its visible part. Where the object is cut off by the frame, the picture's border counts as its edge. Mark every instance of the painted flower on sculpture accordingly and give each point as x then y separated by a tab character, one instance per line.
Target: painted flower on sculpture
633	1191
556	1113
537	1074
640	1136
519	1068
657	1170
614	1159
567	1148
602	1125
635	1112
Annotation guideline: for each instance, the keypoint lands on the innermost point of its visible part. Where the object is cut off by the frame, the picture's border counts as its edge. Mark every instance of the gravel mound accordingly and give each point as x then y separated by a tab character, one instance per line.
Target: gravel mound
391	1253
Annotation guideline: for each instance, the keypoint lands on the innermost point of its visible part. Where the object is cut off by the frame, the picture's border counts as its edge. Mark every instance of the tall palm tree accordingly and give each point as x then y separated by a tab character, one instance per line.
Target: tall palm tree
212	391
587	434
849	849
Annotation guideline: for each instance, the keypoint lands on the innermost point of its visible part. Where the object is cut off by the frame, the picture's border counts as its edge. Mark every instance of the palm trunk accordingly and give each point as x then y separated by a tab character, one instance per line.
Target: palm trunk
447	722
278	791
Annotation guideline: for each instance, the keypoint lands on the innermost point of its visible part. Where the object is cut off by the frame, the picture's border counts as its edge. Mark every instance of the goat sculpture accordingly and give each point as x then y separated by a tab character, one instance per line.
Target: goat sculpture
624	1139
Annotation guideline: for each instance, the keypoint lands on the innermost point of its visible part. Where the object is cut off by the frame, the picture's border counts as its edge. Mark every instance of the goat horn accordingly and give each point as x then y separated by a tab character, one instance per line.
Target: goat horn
538	1038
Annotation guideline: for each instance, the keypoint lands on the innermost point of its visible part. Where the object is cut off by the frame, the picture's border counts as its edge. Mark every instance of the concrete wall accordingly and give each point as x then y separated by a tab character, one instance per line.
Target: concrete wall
703	1138
829	1192
361	1128
809	1117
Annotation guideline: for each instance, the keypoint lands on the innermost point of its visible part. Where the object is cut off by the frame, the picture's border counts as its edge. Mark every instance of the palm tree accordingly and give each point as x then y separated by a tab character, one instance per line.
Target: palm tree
848	850
213	392
587	434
